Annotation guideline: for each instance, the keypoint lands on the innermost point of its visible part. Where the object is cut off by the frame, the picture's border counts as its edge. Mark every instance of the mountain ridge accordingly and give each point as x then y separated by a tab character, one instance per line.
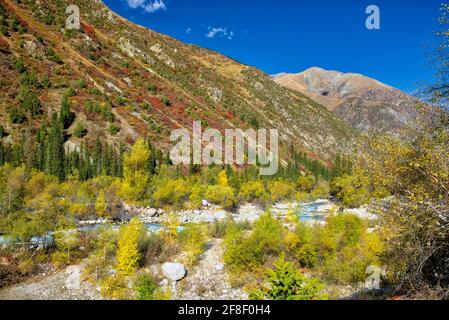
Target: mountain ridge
365	103
144	83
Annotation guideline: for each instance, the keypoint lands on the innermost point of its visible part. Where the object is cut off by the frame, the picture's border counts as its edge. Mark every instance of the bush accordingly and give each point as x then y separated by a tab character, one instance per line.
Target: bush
80	130
17	116
221	195
52	56
280	190
171	192
151	87
114	129
20	66
156	248
193	241
166	101
67	244
115	287
82	84
350	191
253	190
128	253
345	249
31	103
145	287
306	183
218	229
249	251
284	282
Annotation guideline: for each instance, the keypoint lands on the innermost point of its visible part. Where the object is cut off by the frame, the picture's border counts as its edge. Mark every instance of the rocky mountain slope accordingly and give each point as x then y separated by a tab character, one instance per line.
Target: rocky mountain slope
363	102
126	81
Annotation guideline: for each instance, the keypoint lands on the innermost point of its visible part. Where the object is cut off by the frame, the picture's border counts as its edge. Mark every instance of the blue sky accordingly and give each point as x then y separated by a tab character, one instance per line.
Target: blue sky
293	35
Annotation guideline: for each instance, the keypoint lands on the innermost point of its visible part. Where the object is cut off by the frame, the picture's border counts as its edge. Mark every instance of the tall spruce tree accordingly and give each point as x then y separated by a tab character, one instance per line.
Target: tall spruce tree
55	155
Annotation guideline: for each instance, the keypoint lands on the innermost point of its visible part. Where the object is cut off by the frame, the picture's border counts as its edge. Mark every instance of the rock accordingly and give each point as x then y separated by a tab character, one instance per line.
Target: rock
221	215
152	212
174	271
249	217
204	203
219	267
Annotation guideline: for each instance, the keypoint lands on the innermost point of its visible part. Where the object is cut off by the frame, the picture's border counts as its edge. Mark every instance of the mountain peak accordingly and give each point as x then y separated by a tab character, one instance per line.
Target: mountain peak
364	102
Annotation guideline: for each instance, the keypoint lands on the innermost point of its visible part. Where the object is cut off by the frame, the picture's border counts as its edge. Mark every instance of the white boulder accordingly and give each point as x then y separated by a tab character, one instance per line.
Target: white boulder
174	271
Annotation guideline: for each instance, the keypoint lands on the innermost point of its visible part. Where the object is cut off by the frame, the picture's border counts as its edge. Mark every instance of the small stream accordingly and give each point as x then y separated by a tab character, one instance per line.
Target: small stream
307	212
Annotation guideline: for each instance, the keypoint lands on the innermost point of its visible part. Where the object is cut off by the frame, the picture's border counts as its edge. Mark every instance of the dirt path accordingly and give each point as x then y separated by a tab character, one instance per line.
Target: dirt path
209	279
64	285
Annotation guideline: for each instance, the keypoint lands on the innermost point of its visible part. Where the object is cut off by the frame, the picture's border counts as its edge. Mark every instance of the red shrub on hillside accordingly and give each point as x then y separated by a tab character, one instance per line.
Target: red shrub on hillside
88	29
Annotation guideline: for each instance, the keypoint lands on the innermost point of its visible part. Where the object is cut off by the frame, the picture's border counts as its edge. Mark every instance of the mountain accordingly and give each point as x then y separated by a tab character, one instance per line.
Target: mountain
126	81
365	103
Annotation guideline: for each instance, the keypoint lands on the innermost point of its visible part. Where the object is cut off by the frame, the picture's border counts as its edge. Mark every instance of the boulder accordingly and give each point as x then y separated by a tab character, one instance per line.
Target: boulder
249	217
219	267
204	203
221	215
174	271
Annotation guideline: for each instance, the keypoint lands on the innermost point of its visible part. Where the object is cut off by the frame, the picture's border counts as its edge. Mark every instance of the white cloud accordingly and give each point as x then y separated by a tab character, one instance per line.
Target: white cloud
148	6
189	30
154	6
135	3
219	32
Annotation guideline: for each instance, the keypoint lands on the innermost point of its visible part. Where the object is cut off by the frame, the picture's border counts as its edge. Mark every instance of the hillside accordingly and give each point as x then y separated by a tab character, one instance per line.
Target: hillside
126	81
365	103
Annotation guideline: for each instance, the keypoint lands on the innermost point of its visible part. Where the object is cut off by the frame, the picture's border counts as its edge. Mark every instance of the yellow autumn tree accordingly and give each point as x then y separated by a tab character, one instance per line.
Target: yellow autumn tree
128	254
135	172
222	179
101	205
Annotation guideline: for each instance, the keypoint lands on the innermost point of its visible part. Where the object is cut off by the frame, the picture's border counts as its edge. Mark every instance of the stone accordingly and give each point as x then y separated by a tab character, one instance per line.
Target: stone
219	267
221	215
174	271
204	203
249	217
152	212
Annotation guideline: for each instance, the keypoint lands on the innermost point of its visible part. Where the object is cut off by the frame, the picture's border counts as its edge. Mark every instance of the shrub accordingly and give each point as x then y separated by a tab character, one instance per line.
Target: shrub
166	101
193	241
145	287
151	87
80	130
280	190
156	248
52	56
128	254
101	205
82	83
17	116
245	251
171	192
114	129
20	66
115	287
306	183
350	191
31	103
219	195
4	31
284	282
345	249
218	229
253	190
67	244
